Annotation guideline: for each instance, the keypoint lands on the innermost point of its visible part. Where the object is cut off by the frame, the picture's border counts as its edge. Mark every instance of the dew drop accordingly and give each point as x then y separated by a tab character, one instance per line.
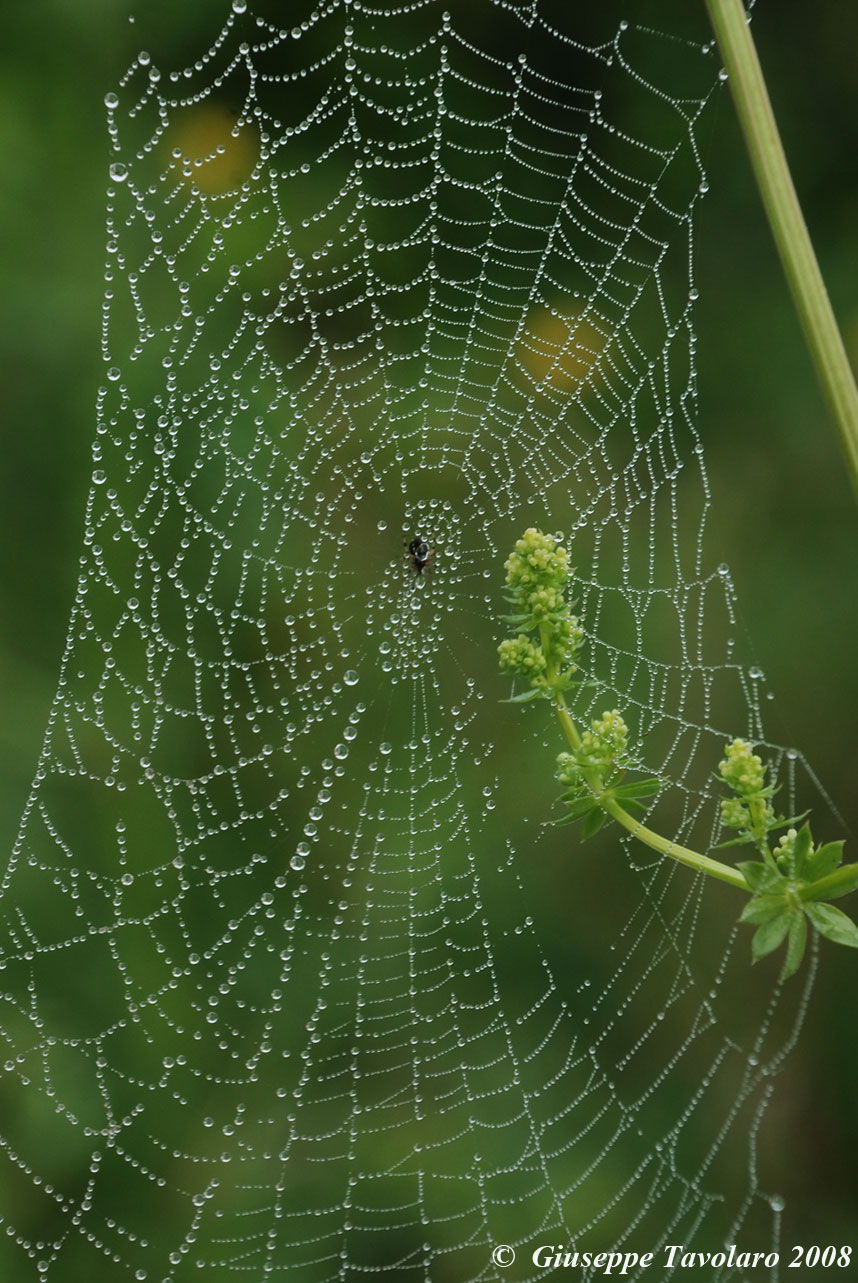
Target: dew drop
350	677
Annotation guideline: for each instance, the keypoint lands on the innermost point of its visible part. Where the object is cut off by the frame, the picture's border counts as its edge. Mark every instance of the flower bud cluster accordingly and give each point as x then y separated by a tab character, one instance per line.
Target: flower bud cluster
734	814
603	749
742	769
537	561
605	744
521	655
749	810
784	850
537	574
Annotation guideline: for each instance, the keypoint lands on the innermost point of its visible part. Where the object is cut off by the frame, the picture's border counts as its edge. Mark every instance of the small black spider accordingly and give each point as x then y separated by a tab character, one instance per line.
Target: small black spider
420	556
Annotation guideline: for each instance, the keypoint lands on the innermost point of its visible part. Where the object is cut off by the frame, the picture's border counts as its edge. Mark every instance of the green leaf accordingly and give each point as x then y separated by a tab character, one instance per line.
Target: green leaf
564	682
581	806
525	697
524	623
762	908
757	875
787	822
833	924
564	819
747	840
844	887
824	860
593	821
796	941
638	788
771	933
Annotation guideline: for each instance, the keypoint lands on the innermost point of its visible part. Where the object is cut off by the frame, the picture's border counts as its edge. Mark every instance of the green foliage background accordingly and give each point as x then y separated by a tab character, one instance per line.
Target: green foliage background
783	514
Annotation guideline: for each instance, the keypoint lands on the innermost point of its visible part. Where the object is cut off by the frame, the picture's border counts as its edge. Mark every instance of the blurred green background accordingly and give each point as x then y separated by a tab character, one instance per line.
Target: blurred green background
783	514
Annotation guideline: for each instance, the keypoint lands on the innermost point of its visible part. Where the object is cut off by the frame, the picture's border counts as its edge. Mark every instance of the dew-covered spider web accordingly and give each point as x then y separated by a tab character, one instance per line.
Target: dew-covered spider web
296	981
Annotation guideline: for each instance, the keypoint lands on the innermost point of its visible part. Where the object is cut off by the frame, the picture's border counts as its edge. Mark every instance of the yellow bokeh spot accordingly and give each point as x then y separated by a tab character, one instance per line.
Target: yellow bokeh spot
559	350
216	154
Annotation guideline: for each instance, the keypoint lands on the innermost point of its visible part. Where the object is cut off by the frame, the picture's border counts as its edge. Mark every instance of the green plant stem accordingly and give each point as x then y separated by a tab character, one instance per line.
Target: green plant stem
684	854
787	223
609	804
823	889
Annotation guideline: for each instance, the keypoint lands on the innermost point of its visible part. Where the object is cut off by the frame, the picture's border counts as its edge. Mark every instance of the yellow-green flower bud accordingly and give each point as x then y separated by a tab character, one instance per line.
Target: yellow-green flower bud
742	769
783	852
750	810
605	744
537	561
521	655
568	771
734	814
537	572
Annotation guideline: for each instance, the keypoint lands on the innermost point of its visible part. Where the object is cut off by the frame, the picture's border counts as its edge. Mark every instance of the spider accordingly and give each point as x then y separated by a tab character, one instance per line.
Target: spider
420	556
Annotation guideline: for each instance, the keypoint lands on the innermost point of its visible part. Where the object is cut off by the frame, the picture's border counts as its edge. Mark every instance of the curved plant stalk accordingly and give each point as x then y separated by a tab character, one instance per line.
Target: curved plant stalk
611	806
789	229
787	886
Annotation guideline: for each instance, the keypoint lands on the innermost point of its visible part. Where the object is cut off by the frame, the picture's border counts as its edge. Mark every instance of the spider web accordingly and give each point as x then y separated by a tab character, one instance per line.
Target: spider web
295	982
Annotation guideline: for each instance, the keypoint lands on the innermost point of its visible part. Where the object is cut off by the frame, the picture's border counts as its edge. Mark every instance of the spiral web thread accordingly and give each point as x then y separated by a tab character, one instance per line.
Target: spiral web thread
281	994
